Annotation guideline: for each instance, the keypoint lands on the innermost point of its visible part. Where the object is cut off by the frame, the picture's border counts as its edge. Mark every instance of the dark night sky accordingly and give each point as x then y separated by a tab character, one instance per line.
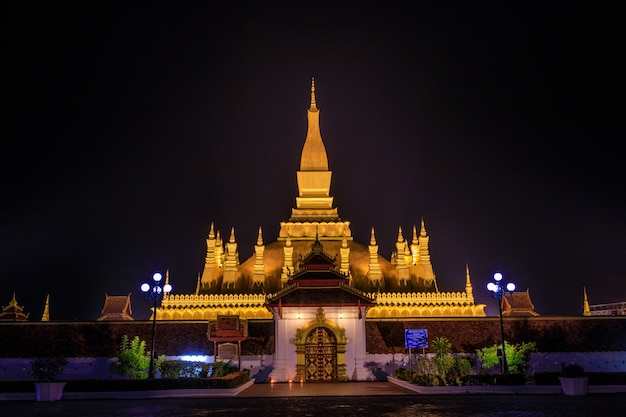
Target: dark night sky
129	127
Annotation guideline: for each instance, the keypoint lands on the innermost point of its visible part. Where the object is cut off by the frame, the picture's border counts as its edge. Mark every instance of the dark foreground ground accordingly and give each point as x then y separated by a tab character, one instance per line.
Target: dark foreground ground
344	400
605	405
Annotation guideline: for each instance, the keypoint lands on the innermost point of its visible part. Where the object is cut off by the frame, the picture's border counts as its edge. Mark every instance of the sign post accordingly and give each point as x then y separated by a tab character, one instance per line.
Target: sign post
415	338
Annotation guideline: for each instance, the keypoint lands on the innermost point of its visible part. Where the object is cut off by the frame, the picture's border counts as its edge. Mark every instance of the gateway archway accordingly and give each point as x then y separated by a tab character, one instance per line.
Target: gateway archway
321	351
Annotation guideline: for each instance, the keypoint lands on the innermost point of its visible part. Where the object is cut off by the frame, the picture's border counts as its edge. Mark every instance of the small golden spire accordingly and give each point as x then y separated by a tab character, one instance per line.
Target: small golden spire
423	228
468	283
586	309
372	238
259	239
232	235
288	243
400	237
46	310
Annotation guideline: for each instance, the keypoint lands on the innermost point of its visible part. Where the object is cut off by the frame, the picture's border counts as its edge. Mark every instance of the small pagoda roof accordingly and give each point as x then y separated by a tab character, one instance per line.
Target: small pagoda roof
116	307
227	328
518	304
318	269
317	256
318	283
13	312
340	295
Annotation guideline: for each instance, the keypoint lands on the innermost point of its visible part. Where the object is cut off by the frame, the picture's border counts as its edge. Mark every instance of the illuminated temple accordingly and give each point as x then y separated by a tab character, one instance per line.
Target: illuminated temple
403	286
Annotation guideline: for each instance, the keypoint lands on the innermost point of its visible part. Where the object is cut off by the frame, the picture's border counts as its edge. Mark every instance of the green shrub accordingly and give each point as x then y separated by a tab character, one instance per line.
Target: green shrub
443	360
517	356
474	380
441	369
184	369
132	359
220	368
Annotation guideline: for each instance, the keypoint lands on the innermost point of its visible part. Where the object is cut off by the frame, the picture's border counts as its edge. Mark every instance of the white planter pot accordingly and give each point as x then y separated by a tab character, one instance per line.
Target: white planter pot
49	391
574	386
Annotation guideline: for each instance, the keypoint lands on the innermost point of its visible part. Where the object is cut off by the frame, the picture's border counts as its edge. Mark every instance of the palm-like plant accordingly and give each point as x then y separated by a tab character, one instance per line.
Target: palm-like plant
47	369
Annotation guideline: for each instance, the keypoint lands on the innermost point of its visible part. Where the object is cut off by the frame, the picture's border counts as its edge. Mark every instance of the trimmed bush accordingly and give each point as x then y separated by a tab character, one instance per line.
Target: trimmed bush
104	385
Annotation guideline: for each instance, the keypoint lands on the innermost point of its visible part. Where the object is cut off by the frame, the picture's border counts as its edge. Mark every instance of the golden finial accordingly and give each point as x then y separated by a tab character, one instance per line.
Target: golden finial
313	104
400	237
372	238
423	228
259	239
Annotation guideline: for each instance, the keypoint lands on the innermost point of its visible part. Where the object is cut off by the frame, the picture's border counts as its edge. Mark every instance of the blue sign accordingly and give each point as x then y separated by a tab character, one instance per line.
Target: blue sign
416	338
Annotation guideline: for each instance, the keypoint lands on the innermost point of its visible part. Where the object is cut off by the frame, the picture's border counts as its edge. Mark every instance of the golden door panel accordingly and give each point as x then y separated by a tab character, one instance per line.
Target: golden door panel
320	355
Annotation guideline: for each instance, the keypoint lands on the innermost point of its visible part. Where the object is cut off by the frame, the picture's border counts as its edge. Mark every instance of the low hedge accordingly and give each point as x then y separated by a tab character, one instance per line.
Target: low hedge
103	385
432	380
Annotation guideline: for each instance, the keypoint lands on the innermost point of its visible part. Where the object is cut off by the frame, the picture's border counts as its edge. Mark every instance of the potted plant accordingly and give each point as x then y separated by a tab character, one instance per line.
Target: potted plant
46	371
573	379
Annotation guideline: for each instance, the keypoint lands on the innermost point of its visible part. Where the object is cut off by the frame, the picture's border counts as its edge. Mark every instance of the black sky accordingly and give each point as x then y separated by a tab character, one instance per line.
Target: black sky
130	127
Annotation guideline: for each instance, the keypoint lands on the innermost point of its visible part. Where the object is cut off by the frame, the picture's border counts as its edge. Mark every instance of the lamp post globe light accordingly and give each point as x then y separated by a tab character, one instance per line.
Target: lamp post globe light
499	290
154	291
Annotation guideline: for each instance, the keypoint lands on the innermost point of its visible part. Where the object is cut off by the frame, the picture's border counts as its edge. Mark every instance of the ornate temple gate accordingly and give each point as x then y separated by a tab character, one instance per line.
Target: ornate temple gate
320	355
321	350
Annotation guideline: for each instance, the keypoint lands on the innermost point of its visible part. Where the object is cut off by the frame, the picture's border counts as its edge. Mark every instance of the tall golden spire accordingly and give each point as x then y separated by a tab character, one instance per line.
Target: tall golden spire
314	202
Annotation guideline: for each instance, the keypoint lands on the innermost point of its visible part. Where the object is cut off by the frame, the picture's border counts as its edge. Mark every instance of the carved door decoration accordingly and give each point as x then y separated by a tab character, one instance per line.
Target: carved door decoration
320	352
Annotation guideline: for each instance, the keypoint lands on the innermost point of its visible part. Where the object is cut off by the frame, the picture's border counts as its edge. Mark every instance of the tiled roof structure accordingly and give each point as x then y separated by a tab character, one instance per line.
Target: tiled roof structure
518	304
116	307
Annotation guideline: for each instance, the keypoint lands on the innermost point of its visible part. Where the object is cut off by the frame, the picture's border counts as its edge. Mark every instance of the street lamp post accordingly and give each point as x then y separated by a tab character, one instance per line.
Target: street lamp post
154	292
498	290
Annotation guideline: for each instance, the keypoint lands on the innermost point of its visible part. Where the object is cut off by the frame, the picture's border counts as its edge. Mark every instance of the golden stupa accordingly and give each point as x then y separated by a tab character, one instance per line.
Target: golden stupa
404	286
